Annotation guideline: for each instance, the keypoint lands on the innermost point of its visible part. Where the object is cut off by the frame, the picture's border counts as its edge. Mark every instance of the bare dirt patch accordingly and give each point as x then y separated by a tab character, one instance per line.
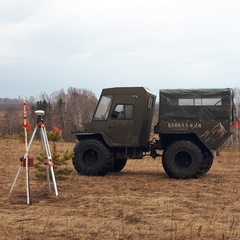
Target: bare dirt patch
140	202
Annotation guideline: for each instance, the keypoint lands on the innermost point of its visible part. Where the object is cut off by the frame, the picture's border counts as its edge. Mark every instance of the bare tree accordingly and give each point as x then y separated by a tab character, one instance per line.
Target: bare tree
81	105
12	122
65	110
68	109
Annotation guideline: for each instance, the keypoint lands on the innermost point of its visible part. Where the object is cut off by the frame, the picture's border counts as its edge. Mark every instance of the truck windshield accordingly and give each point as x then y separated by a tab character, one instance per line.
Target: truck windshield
103	108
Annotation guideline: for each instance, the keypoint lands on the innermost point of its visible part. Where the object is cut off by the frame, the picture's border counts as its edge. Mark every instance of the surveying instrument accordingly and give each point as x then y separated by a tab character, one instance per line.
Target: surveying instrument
27	162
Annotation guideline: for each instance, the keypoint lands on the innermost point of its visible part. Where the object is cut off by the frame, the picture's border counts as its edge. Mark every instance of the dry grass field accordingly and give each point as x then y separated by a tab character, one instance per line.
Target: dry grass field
141	202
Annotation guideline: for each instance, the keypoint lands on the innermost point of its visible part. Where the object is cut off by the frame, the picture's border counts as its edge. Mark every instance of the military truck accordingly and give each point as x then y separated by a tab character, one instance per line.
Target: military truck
191	124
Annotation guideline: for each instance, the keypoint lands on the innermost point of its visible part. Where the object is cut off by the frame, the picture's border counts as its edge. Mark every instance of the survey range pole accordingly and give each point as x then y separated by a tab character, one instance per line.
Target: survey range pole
26	125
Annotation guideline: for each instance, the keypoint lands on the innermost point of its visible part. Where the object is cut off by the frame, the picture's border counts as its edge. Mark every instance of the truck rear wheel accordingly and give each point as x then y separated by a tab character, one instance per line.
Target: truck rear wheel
183	159
207	163
92	157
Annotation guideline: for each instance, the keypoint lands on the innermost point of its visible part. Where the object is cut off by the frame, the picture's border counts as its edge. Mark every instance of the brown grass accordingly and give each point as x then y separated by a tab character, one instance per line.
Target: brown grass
141	202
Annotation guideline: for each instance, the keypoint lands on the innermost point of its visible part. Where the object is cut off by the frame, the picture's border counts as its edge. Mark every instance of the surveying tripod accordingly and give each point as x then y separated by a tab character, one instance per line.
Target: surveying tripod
47	156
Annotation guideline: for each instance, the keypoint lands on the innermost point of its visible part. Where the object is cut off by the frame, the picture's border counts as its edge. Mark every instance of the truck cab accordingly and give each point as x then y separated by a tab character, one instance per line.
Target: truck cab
122	118
121	123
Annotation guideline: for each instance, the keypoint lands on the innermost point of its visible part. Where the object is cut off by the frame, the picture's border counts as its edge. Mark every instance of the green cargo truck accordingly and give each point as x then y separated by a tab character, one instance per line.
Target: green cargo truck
191	124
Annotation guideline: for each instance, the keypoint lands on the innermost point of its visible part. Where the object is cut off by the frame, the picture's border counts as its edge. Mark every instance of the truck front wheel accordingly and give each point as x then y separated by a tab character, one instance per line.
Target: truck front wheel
183	159
92	157
119	164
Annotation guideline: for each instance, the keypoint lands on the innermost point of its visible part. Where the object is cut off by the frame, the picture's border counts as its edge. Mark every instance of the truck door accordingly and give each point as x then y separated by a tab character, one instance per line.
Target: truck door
121	122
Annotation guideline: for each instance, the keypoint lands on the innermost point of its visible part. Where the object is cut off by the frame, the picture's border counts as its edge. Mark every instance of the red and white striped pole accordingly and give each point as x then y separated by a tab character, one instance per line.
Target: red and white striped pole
26	126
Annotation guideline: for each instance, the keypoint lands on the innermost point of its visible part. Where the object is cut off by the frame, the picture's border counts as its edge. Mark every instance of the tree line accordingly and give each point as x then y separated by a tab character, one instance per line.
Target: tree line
62	109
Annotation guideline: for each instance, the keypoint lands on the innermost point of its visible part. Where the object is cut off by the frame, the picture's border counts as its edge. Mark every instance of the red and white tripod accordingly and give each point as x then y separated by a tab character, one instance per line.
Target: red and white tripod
46	150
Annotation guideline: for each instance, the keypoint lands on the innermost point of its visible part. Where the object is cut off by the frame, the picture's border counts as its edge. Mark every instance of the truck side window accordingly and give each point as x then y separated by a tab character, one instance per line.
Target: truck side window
103	108
123	111
150	102
200	102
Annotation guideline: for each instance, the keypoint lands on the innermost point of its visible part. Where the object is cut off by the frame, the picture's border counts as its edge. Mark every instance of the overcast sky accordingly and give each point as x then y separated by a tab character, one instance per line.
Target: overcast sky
48	45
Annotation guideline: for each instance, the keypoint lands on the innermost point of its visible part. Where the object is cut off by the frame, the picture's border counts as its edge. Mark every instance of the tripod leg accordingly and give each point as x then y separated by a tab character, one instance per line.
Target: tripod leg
54	181
16	178
31	140
50	162
46	155
48	178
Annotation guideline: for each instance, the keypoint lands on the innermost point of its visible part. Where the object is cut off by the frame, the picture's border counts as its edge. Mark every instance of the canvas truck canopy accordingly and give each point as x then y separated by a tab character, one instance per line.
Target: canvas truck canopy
195	104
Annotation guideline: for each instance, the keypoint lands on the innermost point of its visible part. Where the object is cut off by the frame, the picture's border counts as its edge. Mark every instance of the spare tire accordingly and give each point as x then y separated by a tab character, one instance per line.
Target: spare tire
183	159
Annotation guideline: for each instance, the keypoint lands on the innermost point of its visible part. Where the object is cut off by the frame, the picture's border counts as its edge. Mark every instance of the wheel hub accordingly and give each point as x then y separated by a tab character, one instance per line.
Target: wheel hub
183	160
90	157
